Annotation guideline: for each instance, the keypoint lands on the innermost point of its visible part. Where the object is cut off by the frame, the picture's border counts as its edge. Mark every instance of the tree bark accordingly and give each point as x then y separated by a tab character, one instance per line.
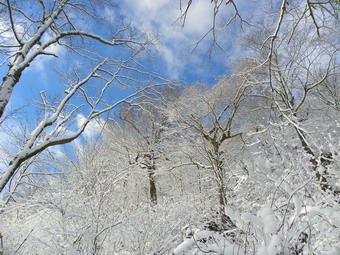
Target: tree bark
152	185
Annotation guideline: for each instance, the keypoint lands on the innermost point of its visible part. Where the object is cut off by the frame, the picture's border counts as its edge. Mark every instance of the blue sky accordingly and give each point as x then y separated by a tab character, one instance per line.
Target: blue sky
173	59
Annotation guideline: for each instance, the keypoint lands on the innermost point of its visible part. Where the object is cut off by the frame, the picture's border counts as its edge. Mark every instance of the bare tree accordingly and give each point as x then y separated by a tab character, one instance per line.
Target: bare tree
84	96
32	29
293	62
145	118
213	116
58	124
298	67
321	14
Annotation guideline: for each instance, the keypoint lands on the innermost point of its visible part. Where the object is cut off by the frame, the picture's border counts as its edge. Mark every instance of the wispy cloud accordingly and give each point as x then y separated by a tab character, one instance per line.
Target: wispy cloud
7	35
161	18
41	62
176	41
93	129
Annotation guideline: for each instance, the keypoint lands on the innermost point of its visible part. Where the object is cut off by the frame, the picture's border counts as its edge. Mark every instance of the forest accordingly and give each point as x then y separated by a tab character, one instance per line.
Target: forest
104	150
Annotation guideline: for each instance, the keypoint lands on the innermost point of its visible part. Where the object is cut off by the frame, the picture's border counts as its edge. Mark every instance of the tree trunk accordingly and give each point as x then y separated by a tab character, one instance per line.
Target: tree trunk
152	185
222	204
222	200
225	219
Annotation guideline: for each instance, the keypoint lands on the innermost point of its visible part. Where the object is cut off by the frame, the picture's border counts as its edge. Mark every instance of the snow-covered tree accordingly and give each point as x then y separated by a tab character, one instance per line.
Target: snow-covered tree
213	117
46	26
249	165
149	126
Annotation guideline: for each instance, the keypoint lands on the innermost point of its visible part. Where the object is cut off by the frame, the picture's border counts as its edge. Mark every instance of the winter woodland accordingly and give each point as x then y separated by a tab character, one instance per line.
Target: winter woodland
247	165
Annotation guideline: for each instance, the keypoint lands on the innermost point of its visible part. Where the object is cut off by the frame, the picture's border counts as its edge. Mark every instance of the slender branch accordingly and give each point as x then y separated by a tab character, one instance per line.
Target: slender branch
12	23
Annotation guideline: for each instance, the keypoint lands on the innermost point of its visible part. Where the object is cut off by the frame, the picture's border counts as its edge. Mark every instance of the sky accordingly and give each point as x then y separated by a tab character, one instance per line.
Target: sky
174	58
176	42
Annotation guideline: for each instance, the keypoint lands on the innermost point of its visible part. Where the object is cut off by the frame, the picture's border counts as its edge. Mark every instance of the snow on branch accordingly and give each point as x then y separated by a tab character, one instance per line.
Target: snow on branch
56	128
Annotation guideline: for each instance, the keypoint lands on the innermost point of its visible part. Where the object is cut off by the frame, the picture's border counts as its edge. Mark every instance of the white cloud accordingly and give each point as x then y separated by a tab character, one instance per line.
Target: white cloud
40	62
93	129
159	17
199	19
109	14
7	36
